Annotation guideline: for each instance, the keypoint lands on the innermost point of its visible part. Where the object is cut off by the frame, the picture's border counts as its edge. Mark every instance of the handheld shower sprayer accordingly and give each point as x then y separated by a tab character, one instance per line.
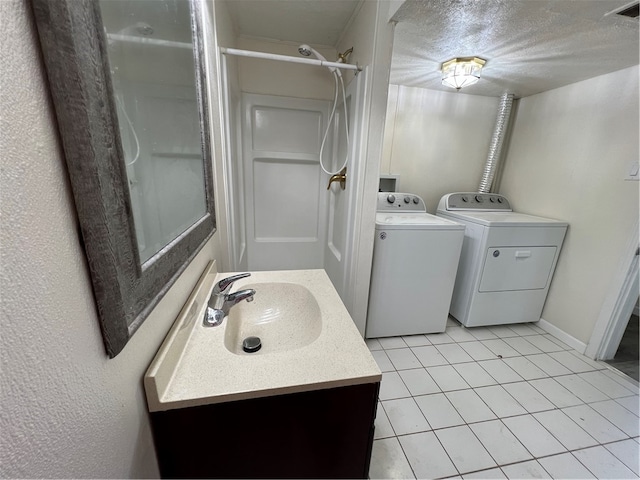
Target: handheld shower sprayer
306	51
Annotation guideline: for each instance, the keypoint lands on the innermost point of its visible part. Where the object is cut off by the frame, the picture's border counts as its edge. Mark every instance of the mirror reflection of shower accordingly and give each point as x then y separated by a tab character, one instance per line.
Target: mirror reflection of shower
151	59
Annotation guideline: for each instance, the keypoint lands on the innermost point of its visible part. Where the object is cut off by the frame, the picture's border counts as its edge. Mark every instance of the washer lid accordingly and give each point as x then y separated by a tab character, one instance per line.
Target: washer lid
414	221
503	219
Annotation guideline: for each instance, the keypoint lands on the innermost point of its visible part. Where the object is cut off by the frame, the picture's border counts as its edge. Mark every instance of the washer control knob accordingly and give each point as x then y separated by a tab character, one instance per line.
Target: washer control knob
492	199
465	199
500	200
407	199
391	198
479	198
415	200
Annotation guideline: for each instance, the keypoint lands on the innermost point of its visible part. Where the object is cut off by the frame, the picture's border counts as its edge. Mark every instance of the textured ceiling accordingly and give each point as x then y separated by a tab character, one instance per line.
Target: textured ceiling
317	22
530	45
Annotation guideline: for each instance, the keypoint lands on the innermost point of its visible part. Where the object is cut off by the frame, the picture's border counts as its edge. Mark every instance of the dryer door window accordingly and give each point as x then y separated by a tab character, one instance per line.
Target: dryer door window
517	268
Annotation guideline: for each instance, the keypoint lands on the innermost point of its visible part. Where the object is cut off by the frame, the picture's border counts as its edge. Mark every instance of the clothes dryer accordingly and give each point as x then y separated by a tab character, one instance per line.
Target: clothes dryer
415	258
507	261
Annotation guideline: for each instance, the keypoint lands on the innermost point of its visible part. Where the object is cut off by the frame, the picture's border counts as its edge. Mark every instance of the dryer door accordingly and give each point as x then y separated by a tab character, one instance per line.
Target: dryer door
517	268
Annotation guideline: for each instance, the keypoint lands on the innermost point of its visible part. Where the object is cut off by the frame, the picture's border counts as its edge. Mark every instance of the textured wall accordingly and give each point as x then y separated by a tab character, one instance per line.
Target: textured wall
568	155
437	141
67	411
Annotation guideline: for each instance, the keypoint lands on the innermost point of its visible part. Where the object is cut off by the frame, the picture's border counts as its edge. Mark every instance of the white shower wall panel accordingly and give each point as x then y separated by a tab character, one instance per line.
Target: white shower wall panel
285	196
285	129
289	213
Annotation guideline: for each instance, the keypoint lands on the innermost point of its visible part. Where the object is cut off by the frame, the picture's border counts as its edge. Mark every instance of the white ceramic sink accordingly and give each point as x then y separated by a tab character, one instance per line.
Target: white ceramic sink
285	316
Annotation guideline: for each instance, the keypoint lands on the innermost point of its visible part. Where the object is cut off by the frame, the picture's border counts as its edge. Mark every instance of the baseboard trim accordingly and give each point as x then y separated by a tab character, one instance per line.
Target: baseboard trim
562	336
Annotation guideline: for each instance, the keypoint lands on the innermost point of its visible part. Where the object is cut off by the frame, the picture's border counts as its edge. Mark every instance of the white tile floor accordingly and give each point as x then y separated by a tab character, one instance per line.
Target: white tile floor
500	402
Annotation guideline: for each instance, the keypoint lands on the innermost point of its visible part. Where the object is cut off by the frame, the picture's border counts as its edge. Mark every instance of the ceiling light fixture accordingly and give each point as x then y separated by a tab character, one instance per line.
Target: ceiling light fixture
461	72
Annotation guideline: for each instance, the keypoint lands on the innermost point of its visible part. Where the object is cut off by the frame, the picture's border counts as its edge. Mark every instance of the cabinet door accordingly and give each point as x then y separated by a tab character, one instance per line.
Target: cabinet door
318	434
517	268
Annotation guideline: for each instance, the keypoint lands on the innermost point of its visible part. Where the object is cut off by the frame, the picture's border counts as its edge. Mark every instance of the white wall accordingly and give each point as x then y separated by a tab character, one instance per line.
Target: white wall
229	199
437	142
67	410
568	155
371	36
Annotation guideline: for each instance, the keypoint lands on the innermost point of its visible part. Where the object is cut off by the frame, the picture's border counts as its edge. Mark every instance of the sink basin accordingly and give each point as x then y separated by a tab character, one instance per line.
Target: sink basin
309	343
285	316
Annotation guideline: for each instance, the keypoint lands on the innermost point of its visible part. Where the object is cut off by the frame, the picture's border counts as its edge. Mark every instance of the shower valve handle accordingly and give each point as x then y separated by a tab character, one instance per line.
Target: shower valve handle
339	177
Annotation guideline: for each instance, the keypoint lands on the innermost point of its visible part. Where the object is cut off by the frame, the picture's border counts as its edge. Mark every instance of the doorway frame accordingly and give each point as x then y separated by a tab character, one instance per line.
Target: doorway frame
618	305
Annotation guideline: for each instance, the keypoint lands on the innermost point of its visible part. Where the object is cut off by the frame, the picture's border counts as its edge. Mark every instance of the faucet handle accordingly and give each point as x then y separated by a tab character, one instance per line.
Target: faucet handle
240	295
224	285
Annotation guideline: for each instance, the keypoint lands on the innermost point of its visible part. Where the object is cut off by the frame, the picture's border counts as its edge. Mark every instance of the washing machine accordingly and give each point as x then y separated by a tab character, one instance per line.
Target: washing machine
415	258
507	261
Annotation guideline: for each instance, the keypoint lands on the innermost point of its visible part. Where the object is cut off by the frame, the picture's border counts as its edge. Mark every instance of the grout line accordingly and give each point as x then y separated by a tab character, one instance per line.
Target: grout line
525	447
389	420
623	406
620	377
544	469
483	446
592	473
406	457
616	456
551	401
445	451
532	456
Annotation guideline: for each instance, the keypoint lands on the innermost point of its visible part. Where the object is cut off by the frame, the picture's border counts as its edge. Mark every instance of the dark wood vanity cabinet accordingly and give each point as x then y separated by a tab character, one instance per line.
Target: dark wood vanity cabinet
317	434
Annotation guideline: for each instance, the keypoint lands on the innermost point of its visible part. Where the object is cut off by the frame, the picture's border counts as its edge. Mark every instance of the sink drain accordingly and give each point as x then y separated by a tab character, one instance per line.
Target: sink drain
251	344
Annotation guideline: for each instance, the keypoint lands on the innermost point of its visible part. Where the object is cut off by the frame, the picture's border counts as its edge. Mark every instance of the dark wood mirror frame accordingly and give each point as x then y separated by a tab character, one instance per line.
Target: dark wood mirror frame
73	43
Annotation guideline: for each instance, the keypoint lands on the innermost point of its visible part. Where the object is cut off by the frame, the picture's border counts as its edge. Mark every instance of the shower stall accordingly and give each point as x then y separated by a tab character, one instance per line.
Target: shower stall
282	152
277	208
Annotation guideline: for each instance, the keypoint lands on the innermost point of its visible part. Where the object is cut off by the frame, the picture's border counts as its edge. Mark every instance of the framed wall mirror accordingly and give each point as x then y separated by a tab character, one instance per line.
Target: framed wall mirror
128	84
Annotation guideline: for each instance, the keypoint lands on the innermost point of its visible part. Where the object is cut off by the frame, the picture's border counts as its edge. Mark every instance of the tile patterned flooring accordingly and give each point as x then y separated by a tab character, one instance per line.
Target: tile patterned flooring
500	402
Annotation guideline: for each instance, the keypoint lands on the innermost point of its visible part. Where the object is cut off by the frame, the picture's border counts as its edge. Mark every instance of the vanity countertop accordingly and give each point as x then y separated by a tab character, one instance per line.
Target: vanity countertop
193	367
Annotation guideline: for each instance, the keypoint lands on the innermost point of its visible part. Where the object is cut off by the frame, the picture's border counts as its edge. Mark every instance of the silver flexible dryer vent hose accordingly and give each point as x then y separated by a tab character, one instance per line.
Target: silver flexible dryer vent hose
495	148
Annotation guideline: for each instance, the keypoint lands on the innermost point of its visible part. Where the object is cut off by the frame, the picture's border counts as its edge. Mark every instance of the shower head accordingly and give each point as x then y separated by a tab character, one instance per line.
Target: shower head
306	51
139	29
143	28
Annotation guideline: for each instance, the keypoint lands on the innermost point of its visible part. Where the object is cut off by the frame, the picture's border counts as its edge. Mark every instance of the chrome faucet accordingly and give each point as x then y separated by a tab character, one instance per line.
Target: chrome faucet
221	300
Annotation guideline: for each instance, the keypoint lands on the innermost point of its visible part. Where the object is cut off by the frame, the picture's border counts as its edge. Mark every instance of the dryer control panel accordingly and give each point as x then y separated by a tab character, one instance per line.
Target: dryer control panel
397	202
479	202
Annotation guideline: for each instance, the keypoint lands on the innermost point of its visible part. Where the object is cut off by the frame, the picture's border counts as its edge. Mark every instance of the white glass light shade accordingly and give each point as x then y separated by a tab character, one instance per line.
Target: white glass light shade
461	72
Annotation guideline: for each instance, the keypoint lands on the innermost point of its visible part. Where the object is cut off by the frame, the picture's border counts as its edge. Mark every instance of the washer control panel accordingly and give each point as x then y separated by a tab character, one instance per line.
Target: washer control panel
394	202
488	202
